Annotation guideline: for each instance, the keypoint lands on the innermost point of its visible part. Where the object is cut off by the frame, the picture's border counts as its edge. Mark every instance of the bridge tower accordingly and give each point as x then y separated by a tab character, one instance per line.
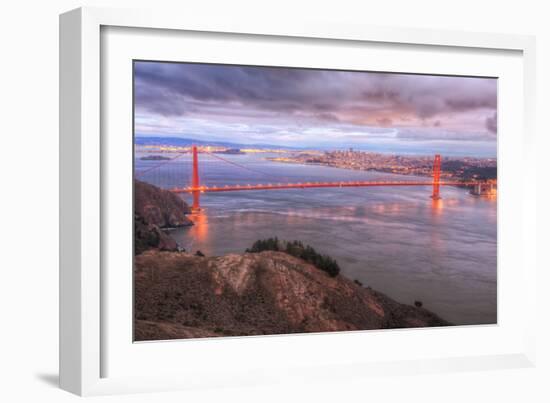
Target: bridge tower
195	180
436	175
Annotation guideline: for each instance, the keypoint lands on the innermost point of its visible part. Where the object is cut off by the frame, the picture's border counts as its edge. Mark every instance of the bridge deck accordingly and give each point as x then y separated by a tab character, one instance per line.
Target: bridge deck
307	185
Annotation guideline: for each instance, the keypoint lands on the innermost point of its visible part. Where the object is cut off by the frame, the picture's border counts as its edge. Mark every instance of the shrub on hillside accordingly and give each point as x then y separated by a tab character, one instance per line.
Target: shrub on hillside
299	250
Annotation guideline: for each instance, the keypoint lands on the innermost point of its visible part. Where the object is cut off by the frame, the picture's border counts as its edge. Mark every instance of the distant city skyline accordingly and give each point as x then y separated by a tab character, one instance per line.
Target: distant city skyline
317	108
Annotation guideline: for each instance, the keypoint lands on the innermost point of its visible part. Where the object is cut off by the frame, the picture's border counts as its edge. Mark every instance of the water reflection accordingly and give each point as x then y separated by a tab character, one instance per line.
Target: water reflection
437	207
198	233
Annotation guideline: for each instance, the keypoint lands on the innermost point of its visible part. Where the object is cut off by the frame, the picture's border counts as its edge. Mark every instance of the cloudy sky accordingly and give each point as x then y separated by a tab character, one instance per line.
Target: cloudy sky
317	108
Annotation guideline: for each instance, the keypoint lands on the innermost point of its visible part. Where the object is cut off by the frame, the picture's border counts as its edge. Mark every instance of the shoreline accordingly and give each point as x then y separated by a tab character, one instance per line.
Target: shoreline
271	159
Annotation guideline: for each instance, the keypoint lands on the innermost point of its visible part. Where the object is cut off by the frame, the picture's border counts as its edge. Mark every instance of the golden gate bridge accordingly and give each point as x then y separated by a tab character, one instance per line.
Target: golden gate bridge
196	188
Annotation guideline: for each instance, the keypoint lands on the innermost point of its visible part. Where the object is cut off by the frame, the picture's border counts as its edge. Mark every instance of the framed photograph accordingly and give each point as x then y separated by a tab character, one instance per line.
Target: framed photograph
237	196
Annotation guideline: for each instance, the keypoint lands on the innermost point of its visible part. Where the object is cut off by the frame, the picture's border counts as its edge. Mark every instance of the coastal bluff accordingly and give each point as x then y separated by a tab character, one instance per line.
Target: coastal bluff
180	295
160	207
156	209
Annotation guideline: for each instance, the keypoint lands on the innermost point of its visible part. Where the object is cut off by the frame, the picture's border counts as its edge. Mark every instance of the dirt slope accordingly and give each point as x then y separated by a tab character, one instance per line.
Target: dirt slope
178	295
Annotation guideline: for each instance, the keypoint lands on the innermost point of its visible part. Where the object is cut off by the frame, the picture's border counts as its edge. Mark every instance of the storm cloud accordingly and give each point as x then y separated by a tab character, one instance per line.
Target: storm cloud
274	103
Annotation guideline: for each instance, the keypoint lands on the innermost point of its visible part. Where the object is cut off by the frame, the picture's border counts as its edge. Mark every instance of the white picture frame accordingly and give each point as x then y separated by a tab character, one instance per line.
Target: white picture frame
85	346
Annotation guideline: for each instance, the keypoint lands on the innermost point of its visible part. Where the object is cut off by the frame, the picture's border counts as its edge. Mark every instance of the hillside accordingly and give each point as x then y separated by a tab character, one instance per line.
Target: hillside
155	209
178	295
160	207
186	142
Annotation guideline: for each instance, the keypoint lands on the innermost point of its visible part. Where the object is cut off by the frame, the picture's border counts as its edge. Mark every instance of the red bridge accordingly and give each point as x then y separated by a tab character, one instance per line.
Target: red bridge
196	188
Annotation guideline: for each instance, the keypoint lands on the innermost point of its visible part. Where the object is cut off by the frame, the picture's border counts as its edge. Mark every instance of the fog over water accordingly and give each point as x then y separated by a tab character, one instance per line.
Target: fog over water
394	239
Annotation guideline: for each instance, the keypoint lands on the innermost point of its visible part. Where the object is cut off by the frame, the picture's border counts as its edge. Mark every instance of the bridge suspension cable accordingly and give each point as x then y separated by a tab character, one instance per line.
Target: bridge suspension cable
245	167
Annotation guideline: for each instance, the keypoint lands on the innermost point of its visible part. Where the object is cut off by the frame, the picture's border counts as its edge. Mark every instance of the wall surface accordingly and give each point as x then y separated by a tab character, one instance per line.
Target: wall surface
29	201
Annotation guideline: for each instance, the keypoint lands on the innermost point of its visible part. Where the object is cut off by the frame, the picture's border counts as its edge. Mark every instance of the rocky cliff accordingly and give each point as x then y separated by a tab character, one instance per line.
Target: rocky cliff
178	295
160	207
149	236
155	209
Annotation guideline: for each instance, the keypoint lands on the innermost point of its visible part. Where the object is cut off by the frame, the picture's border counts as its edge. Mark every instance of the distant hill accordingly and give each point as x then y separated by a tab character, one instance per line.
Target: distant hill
184	141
